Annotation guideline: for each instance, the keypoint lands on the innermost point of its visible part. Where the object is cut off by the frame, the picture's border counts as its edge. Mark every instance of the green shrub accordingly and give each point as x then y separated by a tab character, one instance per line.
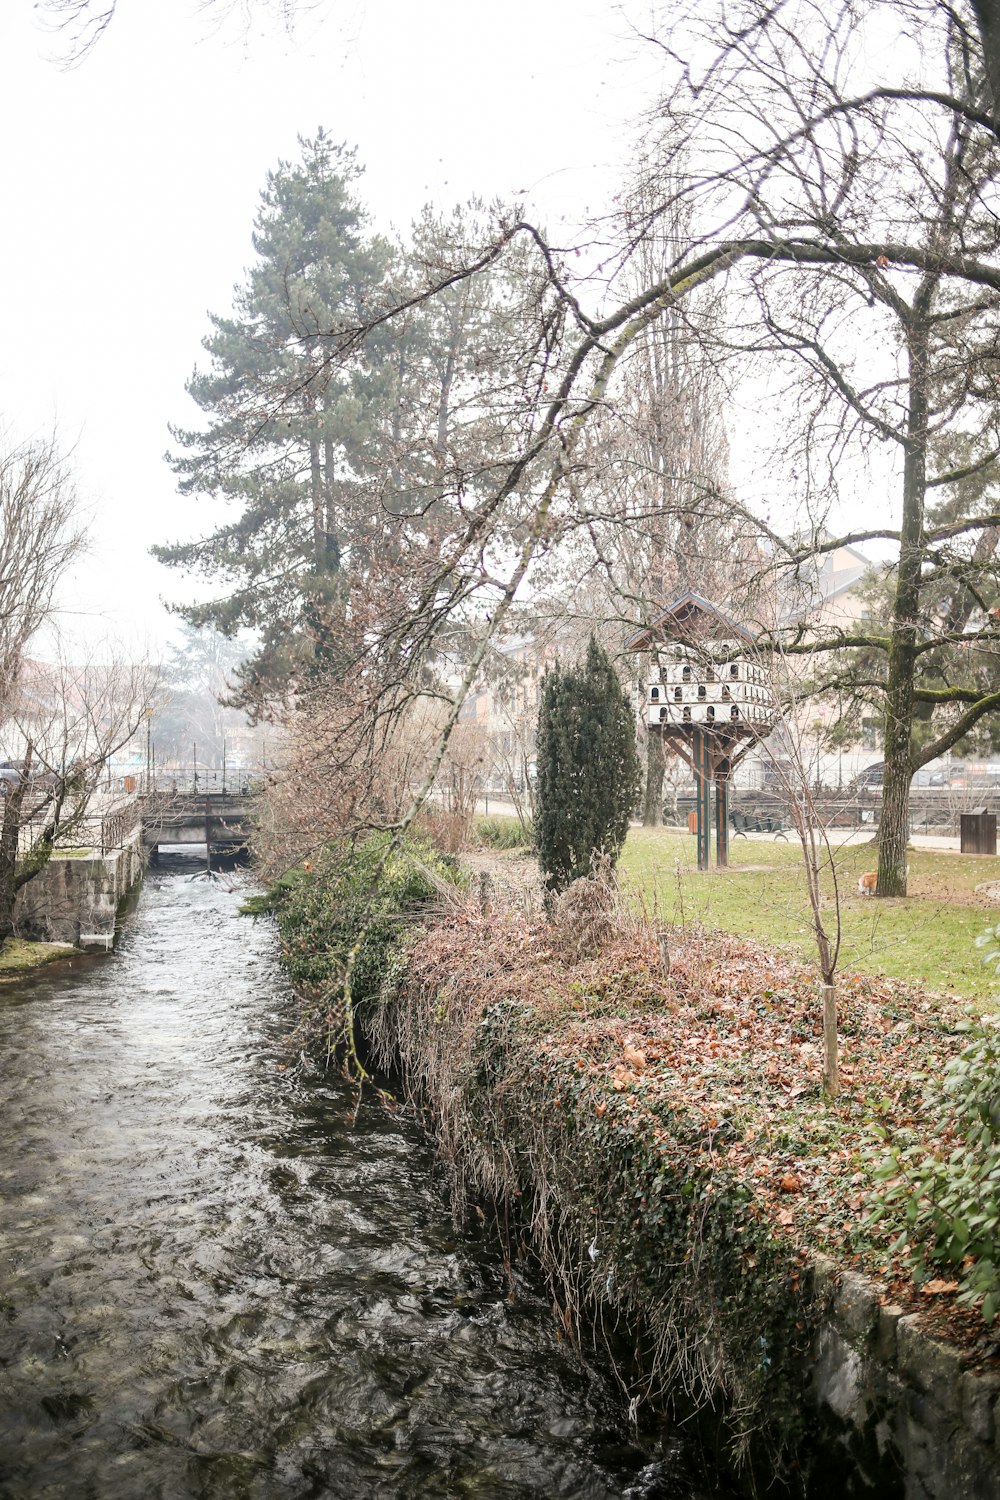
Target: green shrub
588	769
951	1199
322	912
503	833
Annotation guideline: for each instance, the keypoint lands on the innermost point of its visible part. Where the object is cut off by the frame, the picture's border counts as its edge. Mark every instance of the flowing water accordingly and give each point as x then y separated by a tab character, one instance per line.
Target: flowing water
215	1282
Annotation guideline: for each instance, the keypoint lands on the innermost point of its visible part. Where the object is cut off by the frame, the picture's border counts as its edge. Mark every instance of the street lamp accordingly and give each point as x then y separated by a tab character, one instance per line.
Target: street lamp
149	750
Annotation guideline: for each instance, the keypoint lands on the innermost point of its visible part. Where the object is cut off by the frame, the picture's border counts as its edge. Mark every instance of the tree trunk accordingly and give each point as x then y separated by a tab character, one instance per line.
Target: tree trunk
331	546
652	806
316	497
987	14
894	828
9	829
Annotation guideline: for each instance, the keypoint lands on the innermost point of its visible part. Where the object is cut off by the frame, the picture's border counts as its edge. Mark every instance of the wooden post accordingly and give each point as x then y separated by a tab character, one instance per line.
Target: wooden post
722	817
704	798
698	809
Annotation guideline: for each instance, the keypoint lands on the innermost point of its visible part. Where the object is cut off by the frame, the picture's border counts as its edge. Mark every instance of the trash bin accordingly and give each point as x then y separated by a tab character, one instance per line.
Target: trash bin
692	822
978	832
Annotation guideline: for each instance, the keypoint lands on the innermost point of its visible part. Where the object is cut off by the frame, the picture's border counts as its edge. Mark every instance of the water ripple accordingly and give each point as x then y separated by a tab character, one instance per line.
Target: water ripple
213	1284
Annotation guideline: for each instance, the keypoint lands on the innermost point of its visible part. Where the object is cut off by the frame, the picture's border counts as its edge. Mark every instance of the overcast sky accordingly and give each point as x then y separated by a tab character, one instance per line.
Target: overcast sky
130	183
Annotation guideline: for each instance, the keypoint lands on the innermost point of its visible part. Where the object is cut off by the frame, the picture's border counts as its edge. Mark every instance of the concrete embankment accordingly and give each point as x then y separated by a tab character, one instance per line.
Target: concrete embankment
75	899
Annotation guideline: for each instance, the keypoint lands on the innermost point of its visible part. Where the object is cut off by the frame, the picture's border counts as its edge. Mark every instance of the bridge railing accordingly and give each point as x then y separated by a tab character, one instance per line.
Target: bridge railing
188	782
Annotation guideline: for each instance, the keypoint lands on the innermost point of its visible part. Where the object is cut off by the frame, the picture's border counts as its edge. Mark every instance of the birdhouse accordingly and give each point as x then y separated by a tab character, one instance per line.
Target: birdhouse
733	694
708	676
709	694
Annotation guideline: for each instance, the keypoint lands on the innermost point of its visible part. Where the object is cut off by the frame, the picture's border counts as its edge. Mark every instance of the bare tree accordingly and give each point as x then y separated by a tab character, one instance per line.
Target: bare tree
791	766
63	727
40	537
804	172
81	23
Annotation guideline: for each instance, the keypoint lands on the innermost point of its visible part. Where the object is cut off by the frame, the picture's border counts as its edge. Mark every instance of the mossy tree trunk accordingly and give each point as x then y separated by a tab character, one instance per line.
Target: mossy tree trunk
894	827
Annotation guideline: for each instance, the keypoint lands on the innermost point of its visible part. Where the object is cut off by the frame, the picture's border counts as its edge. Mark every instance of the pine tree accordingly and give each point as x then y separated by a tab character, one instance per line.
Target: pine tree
284	446
588	769
348	470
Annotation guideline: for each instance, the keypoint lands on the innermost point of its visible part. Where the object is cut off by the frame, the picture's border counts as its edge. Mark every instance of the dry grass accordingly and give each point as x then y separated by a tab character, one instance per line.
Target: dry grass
728	1042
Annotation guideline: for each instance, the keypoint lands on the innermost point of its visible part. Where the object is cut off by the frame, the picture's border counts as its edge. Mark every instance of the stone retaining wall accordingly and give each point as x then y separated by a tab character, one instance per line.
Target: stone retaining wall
77	900
912	1420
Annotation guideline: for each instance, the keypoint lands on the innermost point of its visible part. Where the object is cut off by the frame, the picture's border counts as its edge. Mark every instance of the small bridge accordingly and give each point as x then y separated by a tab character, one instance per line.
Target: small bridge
207	814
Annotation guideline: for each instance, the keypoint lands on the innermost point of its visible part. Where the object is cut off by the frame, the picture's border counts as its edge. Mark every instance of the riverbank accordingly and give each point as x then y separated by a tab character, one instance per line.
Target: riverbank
663	1139
19	957
644	1109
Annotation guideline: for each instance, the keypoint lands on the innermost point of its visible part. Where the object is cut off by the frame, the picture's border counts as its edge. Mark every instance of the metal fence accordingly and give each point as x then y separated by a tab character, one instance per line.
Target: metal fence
188	782
932	810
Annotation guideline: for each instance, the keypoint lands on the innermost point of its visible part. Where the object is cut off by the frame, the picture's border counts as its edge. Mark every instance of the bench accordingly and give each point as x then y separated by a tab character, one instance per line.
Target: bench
744	823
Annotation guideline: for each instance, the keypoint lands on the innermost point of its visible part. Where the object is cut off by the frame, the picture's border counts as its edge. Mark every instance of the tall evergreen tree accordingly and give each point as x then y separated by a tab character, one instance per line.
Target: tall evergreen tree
349	470
588	768
283	444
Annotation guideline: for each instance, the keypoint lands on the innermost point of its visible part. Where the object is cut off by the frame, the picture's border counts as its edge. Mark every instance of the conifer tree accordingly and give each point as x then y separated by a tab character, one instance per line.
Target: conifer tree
345	471
588	768
280	446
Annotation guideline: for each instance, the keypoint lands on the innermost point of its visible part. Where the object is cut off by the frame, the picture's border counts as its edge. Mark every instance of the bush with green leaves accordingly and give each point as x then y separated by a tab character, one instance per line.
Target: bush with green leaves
989	941
588	769
950	1198
503	833
324	909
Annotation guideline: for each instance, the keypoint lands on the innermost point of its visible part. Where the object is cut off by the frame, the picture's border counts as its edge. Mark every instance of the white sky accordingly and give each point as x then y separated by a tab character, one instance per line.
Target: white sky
130	183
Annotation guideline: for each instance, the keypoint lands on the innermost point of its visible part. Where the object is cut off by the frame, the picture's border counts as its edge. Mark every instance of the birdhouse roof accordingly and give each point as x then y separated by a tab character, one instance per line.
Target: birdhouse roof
689	618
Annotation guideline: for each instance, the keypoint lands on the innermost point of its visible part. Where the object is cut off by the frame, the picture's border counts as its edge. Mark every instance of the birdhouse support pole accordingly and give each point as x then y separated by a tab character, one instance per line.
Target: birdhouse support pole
722	818
703	783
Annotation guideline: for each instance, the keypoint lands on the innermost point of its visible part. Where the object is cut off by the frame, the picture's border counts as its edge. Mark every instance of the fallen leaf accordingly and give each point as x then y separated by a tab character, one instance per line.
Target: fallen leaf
937	1288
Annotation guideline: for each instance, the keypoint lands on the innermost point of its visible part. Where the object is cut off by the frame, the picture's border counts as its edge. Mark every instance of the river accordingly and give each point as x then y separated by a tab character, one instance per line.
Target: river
216	1282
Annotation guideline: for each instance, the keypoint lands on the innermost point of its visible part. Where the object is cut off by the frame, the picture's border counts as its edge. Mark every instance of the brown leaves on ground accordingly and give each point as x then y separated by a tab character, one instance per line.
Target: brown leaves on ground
731	1040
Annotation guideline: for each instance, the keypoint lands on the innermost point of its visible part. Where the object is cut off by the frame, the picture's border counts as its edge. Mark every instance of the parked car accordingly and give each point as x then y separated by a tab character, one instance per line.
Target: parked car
870	779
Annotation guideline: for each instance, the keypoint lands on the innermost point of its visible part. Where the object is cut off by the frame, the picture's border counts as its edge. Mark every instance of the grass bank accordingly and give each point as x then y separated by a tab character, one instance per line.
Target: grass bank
928	939
19	957
654	1125
665	1141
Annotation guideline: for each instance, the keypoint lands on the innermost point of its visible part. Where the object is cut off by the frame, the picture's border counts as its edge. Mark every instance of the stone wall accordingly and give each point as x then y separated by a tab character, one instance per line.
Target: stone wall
910	1419
77	900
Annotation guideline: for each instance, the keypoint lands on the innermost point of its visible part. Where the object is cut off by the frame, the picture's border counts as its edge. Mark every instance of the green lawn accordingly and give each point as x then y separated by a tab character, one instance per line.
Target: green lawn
18	957
927	939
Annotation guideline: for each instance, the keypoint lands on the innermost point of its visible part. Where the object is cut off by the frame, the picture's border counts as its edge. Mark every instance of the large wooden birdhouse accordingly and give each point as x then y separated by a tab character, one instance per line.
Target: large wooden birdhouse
710	698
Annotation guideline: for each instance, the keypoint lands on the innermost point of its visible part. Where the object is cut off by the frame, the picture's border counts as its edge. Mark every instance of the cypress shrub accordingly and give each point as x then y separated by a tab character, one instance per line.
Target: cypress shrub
587	768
